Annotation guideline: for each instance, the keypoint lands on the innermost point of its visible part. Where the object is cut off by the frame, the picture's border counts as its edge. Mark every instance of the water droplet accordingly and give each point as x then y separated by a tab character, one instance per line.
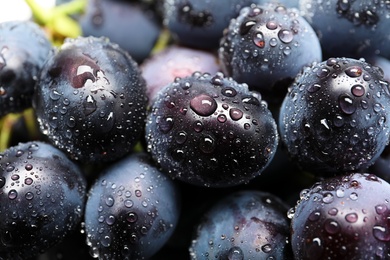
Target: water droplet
266	248
165	125
251	100
366	77
217	79
381	233
29	195
287	50
338	121
246	26
89	105
128	203
354	71
12	194
110	201
285	35
235	253
353	196
343	5
272	25
380	209
351	217
203	105
221	118
132	217
346	104
255	11
313	87
235	114
340	193
181	137
258	40
110	220
207	144
71	122
28	167
358	90
322	72
198	126
314	216
106	241
333	211
54	94
229	92
331	226
273	42
328	198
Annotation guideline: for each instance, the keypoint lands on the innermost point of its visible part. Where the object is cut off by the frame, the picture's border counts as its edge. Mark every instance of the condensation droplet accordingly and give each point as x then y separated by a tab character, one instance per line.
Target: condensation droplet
285	35
132	217
229	92
258	40
358	90
165	124
354	71
235	253
203	105
380	209
331	226
235	114
12	194
381	233
351	217
346	104
181	137
328	198
110	201
207	144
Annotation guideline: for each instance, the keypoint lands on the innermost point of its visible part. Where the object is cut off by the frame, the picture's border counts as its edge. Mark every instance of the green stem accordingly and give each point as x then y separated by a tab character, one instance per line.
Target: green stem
41	15
6	130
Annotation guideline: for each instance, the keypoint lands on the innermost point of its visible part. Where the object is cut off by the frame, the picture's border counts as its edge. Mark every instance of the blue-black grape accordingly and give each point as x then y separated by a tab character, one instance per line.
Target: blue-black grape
91	101
42	196
128	24
343	217
211	131
335	117
266	46
248	224
355	29
24	48
131	211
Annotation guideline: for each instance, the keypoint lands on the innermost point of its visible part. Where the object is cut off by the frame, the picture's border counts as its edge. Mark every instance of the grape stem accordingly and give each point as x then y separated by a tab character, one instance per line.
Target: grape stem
57	20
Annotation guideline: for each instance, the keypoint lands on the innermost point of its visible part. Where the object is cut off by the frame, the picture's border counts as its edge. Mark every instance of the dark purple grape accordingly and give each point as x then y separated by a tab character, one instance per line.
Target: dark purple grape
42	196
266	46
335	117
24	48
91	100
128	24
209	130
350	28
200	23
131	211
344	217
247	224
174	61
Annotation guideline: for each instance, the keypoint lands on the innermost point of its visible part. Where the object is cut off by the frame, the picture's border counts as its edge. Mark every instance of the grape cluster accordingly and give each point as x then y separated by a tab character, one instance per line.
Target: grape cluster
196	129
